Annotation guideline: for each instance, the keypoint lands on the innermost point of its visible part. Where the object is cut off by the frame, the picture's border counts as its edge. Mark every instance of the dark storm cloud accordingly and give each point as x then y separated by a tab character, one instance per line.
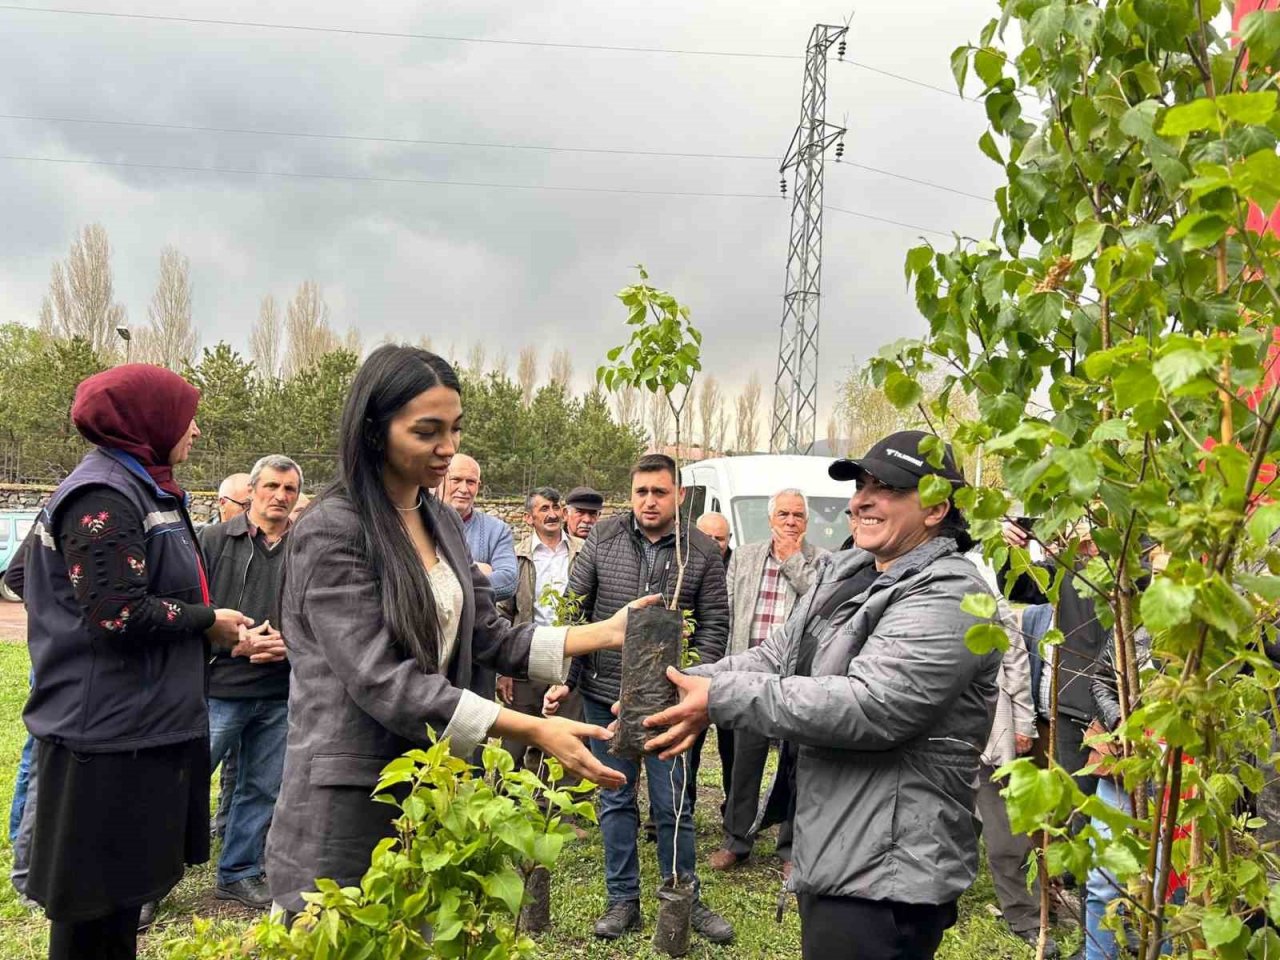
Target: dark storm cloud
458	263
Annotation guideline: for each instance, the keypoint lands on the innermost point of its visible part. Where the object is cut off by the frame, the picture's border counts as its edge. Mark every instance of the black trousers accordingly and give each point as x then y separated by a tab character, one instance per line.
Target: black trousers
113	937
858	929
751	751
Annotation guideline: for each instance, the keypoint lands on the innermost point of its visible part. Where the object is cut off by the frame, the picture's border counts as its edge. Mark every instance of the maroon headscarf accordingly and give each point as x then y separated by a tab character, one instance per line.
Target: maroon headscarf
139	409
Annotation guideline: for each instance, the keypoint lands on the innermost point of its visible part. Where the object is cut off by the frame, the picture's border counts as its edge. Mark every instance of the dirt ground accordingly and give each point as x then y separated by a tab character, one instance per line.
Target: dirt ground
13	622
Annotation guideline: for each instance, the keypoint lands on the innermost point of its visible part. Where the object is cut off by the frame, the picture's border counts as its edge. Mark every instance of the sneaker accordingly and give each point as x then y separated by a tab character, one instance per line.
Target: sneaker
726	860
710	925
1032	938
251	891
621	916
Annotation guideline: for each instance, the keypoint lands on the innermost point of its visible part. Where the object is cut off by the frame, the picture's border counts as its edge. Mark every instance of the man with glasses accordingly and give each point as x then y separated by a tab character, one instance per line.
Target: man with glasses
765	580
233	496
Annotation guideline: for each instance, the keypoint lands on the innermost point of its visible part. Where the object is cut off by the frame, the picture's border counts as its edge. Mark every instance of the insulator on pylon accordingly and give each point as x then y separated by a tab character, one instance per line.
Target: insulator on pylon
840	50
783	185
839	149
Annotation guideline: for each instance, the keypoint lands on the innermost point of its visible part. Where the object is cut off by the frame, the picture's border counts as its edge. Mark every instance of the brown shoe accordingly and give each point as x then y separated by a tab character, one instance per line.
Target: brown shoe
725	860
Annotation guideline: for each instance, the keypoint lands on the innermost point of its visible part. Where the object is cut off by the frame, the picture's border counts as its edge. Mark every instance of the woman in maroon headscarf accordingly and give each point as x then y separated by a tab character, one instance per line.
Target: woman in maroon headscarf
120	623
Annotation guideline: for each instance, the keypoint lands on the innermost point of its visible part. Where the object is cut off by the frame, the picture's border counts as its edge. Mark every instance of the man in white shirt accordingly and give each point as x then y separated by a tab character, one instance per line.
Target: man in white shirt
544	558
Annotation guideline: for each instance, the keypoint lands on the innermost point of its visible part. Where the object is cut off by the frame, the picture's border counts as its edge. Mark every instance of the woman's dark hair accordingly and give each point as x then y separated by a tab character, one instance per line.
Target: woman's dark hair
956	526
386	381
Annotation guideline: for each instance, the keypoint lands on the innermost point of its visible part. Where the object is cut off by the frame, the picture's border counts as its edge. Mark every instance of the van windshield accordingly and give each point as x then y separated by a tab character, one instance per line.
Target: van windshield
828	526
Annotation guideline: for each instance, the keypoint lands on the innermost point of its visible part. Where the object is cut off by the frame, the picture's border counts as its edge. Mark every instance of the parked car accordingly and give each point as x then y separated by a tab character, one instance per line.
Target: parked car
14	526
740	488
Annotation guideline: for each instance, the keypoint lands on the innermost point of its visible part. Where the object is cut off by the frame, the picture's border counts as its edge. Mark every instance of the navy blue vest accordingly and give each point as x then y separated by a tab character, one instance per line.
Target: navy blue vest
123	691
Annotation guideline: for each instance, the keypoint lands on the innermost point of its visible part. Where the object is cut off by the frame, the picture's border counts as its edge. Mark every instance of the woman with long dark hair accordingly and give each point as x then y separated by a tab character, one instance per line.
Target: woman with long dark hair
119	629
386	619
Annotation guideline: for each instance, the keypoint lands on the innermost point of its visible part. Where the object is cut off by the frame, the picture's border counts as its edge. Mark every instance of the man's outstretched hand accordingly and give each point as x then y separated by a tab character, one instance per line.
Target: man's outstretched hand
685	721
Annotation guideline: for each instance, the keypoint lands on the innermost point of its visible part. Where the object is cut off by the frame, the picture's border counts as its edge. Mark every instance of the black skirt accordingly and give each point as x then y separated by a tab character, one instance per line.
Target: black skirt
116	830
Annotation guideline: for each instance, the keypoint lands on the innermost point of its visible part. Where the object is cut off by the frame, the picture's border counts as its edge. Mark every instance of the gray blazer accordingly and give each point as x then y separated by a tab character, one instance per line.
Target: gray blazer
358	700
746	567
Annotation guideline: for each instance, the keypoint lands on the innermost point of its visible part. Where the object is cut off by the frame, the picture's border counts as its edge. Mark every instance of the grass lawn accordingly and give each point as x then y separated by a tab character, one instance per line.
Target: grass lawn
747	896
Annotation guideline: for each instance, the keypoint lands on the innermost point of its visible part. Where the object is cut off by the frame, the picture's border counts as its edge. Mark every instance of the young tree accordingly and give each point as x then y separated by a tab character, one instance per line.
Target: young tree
476	367
171	339
659	421
710	404
81	301
747	410
307	328
1117	334
561	369
265	337
527	373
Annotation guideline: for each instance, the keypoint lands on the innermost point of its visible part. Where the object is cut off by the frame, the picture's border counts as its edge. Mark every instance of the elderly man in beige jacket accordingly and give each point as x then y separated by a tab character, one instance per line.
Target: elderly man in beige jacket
765	580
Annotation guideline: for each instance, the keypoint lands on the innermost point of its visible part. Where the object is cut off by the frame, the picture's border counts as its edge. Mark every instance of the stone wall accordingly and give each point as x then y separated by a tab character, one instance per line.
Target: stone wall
510	509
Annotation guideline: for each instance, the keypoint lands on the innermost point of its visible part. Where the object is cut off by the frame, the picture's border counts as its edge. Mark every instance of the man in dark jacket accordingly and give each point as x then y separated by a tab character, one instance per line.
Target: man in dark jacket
628	556
248	697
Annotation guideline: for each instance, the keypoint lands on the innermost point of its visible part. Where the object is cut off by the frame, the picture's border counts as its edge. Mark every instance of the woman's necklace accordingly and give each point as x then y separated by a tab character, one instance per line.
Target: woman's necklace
420	502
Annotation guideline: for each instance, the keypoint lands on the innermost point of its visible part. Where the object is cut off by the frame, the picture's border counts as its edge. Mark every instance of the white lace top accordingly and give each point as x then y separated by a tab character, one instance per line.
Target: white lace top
448	596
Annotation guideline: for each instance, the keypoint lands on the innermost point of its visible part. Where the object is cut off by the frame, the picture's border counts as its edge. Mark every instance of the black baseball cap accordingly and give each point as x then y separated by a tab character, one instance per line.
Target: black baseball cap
896	461
584	498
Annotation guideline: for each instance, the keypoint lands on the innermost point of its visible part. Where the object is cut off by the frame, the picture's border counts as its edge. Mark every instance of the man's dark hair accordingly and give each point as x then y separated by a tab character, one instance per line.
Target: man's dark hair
388	379
655	462
550	494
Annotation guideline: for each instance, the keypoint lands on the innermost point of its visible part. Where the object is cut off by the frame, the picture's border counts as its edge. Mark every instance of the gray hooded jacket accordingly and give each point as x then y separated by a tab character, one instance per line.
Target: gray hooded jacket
889	727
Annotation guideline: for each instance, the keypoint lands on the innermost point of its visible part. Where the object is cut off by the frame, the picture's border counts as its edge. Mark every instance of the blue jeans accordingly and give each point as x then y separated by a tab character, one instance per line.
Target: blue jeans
20	789
261	728
620	816
1101	886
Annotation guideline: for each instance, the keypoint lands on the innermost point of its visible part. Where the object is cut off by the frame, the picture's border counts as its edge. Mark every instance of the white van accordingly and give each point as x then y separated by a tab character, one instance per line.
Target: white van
740	488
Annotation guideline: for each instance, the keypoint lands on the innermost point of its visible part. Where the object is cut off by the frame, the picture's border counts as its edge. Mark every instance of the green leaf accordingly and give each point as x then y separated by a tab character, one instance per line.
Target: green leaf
1044	310
901	390
960	65
1261	33
1134	385
1166	604
1188	118
917	259
1088	234
1199	230
1263	523
1250	108
505	885
1046	24
1220	928
987	144
989	66
982	638
981	605
934	489
1120	860
1266	587
372	915
1179	366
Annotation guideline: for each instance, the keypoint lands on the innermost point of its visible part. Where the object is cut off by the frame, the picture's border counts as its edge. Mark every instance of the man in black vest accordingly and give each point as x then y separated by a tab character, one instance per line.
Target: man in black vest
249	696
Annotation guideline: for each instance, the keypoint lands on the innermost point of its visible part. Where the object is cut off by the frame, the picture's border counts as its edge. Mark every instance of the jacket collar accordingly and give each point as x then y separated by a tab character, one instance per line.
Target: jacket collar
525	547
664	541
131	463
848	562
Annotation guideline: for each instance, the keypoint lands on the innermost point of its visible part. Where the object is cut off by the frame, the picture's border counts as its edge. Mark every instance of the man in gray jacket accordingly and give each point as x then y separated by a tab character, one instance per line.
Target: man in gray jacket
872	682
765	579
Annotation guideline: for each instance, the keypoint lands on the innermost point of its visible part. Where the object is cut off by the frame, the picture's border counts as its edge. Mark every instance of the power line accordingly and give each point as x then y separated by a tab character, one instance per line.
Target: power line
452	183
411	141
394	35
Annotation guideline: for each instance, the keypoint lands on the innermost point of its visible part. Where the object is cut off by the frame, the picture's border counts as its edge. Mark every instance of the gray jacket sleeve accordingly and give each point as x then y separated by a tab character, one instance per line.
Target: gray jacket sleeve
911	669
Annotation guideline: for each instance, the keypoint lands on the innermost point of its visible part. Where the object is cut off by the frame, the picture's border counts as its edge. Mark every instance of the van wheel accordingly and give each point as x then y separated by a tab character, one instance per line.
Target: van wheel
7	594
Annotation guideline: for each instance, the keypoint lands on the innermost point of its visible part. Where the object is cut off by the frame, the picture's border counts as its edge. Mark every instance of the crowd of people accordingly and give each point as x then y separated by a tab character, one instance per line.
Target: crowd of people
301	646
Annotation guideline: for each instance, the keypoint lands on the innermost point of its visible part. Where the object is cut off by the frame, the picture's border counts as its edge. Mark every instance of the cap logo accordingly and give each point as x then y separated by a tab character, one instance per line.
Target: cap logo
902	456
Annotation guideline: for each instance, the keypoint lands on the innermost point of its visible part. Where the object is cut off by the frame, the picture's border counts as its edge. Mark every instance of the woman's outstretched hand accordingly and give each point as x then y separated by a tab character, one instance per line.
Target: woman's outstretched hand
563	739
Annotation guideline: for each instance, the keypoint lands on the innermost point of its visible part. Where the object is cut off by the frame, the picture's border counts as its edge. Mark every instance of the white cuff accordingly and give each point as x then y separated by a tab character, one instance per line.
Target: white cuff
469	726
547	663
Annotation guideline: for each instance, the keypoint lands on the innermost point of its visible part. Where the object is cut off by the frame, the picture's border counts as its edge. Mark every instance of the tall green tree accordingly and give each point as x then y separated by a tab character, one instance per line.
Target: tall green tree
1120	317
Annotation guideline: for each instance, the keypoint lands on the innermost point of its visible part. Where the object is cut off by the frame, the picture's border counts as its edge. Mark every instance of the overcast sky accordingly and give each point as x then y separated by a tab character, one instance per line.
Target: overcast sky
458	263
